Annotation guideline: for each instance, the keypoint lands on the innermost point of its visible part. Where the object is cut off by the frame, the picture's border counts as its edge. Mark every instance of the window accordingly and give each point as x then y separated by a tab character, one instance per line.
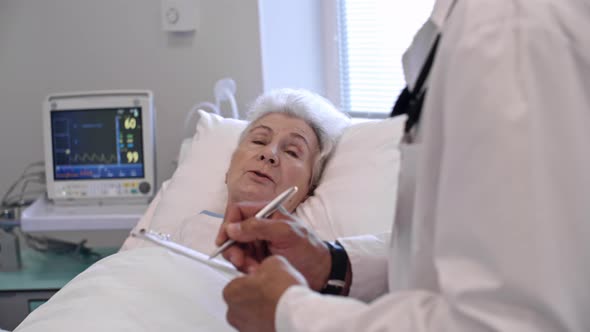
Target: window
372	36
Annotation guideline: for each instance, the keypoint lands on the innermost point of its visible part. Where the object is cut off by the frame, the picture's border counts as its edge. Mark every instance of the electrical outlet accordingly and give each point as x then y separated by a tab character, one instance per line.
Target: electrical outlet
180	15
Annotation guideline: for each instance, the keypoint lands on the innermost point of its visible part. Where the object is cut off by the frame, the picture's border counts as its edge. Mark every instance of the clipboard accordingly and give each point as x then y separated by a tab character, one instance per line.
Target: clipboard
164	240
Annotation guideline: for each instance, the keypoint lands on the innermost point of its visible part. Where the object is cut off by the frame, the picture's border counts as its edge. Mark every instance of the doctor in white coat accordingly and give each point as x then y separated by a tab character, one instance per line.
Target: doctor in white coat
492	231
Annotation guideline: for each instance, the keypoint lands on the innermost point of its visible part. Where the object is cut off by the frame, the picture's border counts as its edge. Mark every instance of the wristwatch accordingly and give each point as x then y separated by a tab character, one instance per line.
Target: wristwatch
337	279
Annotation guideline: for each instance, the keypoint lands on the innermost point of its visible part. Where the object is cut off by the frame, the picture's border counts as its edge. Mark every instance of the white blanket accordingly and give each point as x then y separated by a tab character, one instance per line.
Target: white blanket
147	289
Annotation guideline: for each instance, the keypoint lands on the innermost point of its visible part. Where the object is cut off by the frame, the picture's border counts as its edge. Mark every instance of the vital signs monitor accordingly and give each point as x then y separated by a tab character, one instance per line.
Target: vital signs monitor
99	147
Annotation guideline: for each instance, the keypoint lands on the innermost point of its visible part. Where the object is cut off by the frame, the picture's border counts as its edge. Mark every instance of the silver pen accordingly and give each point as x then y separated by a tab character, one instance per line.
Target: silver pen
265	212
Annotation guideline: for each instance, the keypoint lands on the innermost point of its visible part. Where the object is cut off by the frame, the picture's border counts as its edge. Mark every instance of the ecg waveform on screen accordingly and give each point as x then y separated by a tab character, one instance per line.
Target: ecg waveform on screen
93	158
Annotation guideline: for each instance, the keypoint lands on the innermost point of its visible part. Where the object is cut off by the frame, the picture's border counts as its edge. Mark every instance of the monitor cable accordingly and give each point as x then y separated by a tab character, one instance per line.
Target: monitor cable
34	173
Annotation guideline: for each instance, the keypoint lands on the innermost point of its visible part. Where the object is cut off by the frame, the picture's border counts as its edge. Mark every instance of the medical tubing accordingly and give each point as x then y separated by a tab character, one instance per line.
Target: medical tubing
188	129
233	104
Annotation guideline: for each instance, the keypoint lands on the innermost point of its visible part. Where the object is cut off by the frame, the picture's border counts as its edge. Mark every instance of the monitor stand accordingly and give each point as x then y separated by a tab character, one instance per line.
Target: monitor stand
44	215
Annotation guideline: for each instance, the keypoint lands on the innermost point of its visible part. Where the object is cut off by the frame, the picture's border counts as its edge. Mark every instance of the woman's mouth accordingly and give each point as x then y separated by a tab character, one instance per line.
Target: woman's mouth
261	175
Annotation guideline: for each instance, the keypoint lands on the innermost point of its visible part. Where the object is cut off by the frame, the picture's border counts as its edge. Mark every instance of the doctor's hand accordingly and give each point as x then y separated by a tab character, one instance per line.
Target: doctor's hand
252	300
242	255
282	235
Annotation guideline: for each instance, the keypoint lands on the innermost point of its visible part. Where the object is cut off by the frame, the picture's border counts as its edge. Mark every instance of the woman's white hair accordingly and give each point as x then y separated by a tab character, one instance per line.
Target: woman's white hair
327	122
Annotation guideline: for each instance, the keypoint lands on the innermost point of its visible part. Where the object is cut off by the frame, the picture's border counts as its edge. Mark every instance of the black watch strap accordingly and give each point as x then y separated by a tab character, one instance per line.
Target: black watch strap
337	279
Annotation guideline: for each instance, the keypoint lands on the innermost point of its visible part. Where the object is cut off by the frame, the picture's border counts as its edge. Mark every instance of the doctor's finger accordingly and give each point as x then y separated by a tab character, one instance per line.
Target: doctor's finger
261	230
221	236
243	258
237	212
242	210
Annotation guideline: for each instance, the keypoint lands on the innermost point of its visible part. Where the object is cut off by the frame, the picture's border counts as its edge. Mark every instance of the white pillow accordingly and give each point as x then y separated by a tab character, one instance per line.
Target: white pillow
356	195
358	190
199	181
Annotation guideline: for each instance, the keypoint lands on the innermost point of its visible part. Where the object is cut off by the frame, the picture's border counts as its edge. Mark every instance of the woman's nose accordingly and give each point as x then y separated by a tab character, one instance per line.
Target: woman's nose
269	155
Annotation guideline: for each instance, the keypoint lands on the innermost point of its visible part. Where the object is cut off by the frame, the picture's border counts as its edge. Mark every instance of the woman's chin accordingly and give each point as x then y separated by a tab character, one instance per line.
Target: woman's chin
255	193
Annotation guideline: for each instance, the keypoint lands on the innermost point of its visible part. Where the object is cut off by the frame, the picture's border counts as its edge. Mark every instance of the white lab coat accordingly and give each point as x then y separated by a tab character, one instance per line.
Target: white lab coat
495	233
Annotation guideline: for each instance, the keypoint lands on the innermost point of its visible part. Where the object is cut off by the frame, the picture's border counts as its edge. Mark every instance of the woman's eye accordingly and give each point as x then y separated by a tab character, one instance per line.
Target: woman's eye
258	142
292	153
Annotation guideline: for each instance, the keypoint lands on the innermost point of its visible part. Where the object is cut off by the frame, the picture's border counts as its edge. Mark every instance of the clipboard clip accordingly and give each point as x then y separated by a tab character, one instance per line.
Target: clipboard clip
143	233
165	240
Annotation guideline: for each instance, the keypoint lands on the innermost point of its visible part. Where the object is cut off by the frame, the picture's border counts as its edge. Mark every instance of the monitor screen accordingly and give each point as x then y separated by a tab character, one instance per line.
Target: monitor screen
89	144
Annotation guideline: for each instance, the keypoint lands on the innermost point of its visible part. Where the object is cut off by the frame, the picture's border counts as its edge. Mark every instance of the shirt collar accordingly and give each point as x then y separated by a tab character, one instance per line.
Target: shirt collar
440	12
416	54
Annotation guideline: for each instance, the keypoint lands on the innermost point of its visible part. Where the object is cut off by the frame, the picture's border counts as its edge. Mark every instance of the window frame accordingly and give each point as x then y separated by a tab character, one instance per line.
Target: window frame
333	59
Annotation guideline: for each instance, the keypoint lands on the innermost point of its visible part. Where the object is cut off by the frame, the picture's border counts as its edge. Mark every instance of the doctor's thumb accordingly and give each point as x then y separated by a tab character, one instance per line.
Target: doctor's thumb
251	230
234	230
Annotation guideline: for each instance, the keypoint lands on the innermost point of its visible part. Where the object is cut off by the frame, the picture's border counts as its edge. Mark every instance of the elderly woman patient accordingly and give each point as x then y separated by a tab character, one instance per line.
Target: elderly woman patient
290	136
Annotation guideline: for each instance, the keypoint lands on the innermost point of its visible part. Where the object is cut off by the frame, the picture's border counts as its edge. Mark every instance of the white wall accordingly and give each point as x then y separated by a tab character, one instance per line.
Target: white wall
68	45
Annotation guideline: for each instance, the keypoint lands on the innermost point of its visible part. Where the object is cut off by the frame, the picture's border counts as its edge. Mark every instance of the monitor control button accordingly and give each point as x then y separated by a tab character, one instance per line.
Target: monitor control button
144	187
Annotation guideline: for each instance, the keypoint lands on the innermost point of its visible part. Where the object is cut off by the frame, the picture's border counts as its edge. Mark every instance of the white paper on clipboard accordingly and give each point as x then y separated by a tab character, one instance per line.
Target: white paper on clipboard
164	241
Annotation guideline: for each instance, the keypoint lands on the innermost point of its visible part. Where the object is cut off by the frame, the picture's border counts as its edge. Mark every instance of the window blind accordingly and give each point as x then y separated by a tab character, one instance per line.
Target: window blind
373	35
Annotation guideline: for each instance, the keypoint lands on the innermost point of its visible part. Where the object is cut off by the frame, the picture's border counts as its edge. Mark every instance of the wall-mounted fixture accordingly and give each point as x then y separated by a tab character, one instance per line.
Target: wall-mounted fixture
180	15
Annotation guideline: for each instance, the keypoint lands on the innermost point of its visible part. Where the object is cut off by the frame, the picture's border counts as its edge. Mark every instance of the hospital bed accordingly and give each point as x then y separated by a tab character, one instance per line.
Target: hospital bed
147	288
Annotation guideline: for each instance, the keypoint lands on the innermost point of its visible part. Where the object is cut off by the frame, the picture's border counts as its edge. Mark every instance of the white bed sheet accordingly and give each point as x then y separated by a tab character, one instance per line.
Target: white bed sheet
146	289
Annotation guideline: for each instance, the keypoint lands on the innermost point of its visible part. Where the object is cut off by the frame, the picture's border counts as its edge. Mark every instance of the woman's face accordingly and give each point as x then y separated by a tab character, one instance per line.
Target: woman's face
277	152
